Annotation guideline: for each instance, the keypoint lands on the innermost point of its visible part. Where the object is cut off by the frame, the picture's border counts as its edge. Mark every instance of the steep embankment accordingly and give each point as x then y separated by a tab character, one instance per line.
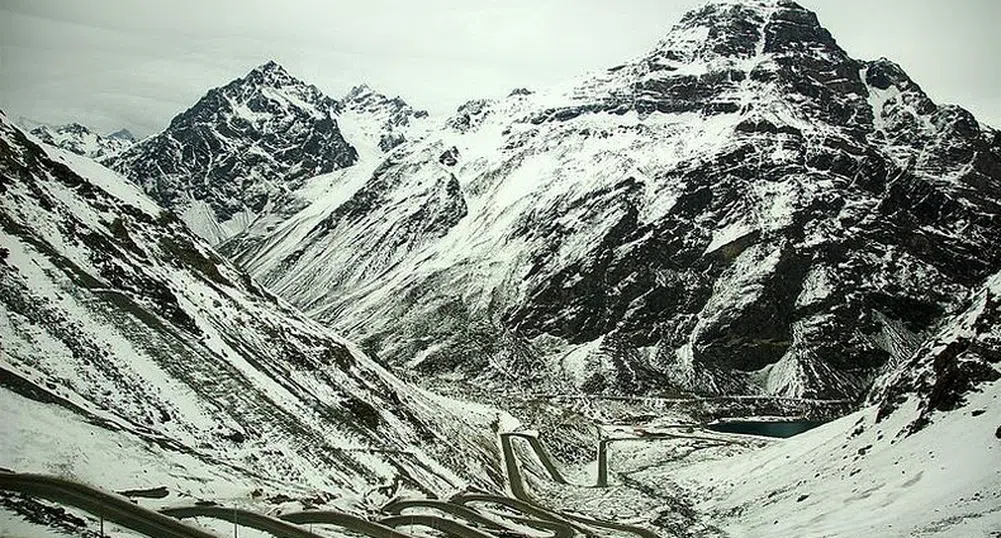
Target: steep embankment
134	356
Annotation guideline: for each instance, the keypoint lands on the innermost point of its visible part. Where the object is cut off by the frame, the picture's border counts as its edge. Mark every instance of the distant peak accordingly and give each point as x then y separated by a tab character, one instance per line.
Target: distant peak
123	134
75	127
271	73
365	93
359	91
271	66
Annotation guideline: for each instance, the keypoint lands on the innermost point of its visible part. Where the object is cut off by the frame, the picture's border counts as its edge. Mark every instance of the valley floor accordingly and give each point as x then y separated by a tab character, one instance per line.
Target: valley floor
668	477
850	477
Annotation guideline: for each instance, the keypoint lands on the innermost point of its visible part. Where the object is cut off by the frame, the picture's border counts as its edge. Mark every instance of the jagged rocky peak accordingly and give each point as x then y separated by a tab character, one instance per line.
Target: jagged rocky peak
272	73
730	58
239	151
264	95
81	140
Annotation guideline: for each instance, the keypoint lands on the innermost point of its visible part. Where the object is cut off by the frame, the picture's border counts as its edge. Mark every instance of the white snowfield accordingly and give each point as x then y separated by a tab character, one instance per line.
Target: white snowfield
942	481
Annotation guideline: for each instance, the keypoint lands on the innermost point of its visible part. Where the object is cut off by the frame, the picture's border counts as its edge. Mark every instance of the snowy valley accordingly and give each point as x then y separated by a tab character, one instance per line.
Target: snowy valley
523	318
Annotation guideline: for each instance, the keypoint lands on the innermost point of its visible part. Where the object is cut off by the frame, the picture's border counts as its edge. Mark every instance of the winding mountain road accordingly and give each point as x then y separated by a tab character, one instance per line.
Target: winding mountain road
459	523
100	503
246	518
457	510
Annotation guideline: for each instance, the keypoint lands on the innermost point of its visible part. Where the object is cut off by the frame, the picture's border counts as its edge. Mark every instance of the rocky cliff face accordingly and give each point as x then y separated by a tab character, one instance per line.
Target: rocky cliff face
82	141
961	360
744	209
237	153
133	356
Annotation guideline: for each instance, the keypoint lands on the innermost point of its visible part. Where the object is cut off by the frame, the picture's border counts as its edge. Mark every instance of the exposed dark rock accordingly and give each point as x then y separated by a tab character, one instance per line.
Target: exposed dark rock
147	493
450	157
241	147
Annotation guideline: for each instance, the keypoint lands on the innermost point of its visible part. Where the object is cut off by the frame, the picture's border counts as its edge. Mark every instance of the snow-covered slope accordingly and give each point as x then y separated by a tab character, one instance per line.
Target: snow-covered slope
237	153
395	121
133	356
82	141
924	459
743	209
375	125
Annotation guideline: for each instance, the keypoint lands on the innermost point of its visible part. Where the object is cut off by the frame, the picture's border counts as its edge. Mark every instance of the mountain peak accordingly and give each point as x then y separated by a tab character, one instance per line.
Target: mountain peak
243	148
75	127
743	29
123	134
359	90
364	96
393	113
78	138
271	66
271	74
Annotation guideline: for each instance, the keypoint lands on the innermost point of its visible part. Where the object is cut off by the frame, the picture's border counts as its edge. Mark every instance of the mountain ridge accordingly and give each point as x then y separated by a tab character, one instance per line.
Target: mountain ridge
81	140
713	210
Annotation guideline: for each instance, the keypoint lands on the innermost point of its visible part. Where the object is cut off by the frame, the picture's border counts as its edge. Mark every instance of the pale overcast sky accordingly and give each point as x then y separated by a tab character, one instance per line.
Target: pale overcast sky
137	63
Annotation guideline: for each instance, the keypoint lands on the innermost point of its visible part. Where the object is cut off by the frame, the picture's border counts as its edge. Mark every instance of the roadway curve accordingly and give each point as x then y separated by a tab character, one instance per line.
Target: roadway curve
100	503
457	510
517	485
452	528
454	508
275	527
602	479
563	526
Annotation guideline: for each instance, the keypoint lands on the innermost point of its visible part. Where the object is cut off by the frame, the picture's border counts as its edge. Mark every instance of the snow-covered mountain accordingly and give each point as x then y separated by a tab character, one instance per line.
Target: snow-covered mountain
238	152
82	141
743	209
395	118
133	356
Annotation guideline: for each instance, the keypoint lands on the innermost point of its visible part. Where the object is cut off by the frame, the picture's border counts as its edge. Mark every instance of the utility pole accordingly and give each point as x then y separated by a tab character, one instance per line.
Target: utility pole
102	526
234	523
